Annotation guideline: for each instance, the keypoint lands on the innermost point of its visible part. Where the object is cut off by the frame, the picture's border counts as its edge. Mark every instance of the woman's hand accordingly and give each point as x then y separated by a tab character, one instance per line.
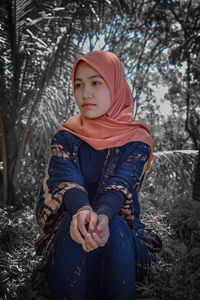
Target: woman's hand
78	231
97	235
98	229
101	233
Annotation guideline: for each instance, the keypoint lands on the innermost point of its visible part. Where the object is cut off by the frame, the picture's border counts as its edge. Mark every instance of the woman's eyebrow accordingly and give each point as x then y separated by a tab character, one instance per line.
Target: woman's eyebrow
90	77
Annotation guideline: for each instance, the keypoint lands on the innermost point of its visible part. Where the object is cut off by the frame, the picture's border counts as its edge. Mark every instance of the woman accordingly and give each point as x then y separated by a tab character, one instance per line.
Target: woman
94	245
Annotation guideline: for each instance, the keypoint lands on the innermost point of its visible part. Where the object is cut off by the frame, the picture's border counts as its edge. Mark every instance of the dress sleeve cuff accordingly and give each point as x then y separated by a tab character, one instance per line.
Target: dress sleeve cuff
74	199
109	203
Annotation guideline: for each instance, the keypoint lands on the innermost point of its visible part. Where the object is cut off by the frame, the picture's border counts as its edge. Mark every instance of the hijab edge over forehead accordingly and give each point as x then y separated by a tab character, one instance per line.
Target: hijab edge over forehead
118	128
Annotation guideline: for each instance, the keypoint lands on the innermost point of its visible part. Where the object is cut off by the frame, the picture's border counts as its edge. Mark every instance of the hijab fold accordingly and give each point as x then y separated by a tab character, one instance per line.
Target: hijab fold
117	127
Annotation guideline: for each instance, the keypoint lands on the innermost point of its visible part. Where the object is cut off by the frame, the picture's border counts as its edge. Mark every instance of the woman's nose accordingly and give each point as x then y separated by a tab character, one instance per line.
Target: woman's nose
87	91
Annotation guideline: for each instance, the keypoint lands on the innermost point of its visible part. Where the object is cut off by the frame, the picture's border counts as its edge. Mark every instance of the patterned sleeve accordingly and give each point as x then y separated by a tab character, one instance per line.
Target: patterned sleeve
124	177
61	175
129	172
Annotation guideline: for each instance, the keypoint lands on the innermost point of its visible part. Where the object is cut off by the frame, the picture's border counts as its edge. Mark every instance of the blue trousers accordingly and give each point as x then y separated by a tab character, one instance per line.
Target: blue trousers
109	272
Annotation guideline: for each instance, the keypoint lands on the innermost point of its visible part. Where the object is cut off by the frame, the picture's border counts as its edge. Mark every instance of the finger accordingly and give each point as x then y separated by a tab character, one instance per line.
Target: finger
93	220
102	222
90	243
100	233
74	232
100	241
97	238
81	221
76	236
85	248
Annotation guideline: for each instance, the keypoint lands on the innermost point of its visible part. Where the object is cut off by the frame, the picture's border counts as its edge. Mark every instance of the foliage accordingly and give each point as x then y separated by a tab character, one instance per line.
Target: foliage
167	208
39	43
161	47
178	25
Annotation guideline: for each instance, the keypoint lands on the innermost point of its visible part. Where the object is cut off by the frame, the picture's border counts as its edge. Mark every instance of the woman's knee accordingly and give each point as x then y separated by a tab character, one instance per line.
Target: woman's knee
119	230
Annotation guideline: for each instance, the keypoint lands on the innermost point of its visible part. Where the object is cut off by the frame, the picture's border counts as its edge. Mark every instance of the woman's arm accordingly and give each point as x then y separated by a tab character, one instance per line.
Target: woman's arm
63	189
62	175
126	177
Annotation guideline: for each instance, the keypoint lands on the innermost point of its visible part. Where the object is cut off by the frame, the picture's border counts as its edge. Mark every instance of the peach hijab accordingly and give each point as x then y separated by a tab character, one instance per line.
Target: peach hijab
117	127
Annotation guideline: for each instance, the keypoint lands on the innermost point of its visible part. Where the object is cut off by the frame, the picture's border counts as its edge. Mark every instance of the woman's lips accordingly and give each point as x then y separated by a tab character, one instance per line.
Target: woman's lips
87	105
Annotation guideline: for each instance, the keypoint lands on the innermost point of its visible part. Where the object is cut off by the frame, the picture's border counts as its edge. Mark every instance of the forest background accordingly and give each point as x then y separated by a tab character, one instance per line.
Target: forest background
158	43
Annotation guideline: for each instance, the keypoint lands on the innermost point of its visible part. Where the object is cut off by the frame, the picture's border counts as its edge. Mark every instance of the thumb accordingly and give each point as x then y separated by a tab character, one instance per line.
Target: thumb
102	222
87	218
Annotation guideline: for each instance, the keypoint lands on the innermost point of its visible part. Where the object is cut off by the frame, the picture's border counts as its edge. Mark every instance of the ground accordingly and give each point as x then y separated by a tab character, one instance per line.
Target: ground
176	276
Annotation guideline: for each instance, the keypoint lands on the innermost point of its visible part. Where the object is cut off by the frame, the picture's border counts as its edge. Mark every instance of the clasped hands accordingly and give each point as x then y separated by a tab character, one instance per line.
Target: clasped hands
89	229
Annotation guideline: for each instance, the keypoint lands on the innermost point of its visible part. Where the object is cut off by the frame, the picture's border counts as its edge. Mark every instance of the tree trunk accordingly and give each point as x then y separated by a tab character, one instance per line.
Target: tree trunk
196	186
4	159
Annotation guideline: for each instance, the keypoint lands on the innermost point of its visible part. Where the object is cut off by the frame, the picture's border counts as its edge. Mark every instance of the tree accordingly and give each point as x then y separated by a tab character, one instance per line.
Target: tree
29	61
162	44
39	43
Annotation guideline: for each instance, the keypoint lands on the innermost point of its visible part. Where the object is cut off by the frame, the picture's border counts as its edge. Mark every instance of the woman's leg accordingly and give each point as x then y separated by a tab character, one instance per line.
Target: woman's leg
118	271
69	268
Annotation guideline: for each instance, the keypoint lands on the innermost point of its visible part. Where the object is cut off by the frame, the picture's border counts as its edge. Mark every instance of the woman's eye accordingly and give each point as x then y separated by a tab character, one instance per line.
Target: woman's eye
96	82
78	85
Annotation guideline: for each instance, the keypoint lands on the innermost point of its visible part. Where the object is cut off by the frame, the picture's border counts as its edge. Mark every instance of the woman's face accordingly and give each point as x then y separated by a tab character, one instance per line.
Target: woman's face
91	92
